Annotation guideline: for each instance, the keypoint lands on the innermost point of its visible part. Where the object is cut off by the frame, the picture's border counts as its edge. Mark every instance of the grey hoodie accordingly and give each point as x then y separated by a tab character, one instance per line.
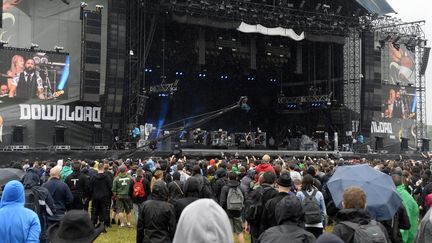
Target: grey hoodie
203	221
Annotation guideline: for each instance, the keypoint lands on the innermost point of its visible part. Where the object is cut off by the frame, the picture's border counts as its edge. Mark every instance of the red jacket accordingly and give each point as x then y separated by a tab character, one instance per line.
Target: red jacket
262	168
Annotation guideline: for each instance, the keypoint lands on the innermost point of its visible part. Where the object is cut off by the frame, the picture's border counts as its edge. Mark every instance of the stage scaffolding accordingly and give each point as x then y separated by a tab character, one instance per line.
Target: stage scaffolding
352	73
412	35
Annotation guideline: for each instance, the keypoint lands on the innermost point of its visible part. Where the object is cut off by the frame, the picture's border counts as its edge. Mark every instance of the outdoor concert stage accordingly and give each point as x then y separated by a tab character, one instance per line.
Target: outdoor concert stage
333	72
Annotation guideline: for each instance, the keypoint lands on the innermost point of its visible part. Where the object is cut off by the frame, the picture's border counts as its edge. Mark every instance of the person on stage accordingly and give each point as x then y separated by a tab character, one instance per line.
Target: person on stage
28	84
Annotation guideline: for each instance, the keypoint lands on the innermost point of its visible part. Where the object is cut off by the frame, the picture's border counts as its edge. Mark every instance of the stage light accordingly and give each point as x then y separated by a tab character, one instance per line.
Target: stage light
83	5
131	52
3	42
58	48
99	7
33	46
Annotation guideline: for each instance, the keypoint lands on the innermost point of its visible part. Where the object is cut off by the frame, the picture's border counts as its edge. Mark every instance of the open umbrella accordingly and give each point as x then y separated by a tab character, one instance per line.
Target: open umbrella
382	198
8	174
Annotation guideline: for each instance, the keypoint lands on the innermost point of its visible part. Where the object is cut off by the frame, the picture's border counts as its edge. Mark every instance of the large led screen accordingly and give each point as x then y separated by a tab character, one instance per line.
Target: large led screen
33	75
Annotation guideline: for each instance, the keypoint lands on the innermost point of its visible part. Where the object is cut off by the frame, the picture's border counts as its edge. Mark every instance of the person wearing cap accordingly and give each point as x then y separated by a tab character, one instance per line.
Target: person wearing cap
18	224
268	218
264	166
289	221
76	226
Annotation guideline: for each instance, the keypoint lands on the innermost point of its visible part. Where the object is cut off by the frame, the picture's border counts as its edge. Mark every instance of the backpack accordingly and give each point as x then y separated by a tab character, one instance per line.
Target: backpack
235	199
367	233
32	200
311	208
254	205
138	188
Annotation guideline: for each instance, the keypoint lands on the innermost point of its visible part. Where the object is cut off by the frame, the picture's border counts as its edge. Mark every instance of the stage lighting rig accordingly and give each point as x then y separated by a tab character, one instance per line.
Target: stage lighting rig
99	7
33	46
58	48
3	43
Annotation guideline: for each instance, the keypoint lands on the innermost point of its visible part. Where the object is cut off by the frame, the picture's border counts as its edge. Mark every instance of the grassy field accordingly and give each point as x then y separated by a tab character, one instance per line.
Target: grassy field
128	234
117	234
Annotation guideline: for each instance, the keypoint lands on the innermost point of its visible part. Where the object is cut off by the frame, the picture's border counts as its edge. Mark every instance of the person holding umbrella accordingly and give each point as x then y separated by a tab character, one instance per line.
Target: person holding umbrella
353	221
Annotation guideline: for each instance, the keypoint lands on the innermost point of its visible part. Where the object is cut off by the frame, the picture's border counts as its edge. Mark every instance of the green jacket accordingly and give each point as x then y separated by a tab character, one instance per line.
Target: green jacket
411	206
122	184
65	172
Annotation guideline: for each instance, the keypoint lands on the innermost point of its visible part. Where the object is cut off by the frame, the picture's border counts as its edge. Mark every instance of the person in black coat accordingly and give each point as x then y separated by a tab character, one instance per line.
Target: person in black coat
353	210
175	188
290	225
157	222
219	181
191	190
79	186
100	193
268	216
61	195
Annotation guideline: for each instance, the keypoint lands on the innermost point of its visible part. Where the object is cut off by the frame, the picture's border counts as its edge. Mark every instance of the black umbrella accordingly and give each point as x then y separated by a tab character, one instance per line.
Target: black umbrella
9	174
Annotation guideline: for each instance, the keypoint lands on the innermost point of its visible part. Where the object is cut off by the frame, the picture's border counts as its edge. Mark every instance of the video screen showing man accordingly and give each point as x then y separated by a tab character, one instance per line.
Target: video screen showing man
27	84
400	104
33	75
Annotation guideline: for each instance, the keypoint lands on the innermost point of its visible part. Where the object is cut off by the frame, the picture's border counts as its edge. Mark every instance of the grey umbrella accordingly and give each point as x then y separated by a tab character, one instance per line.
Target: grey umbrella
9	174
382	199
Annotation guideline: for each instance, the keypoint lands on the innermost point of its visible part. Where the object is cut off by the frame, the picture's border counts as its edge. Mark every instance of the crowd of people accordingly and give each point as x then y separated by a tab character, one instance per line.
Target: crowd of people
209	200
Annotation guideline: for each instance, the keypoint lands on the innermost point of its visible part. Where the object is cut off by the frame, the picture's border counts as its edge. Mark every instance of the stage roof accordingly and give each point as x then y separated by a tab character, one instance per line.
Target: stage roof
380	7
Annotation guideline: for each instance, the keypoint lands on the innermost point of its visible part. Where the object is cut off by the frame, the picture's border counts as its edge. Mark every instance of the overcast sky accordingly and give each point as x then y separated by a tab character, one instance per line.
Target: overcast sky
413	10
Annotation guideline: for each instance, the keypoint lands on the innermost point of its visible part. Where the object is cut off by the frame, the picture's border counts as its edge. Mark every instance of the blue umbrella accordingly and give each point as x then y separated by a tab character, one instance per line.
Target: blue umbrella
382	199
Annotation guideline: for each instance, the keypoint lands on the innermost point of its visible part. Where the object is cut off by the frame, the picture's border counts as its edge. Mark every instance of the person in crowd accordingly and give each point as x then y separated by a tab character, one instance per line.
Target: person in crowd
268	217
60	193
246	182
66	171
289	223
263	193
232	200
121	191
18	224
183	175
219	181
39	200
194	224
100	193
328	238
79	186
192	193
264	166
295	175
411	207
353	214
175	188
314	205
157	220
205	188
76	226
139	192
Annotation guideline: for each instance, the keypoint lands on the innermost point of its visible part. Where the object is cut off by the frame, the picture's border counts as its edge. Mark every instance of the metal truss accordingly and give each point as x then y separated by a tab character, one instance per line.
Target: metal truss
352	72
319	21
164	87
420	84
282	100
412	35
